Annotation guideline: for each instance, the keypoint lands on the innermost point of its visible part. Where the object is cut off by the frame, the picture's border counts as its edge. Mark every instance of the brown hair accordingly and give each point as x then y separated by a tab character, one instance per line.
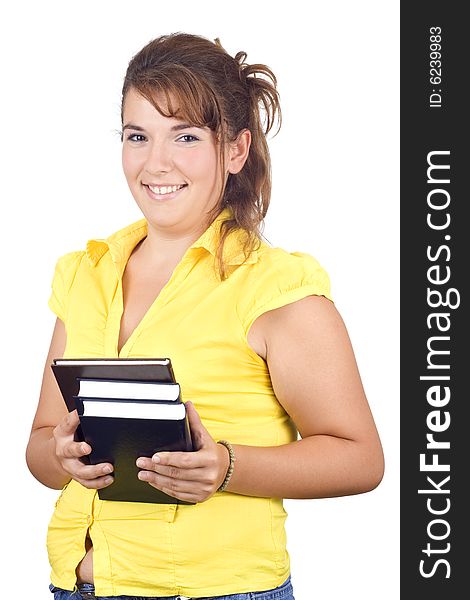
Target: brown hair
203	84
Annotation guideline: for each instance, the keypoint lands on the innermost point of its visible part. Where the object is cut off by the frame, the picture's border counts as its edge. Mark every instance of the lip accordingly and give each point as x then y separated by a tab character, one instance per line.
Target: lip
163	184
163	197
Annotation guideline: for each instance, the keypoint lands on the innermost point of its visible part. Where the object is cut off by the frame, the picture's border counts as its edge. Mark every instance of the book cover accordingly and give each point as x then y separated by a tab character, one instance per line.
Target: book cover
69	371
120	440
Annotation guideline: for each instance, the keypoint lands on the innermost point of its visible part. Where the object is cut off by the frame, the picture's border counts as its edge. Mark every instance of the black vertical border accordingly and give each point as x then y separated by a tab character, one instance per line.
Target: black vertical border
425	129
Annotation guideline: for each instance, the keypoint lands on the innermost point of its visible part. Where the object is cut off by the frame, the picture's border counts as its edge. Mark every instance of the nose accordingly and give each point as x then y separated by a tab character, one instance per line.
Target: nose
159	158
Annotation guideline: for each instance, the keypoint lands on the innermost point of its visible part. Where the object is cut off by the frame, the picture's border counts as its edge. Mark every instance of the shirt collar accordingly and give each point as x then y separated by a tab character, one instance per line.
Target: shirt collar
233	245
121	243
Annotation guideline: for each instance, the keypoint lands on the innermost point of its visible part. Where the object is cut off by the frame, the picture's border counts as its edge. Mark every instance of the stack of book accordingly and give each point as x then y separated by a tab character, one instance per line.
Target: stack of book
127	408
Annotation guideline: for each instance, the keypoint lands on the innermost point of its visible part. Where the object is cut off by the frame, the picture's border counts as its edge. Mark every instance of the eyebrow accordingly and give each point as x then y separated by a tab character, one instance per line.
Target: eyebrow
177	127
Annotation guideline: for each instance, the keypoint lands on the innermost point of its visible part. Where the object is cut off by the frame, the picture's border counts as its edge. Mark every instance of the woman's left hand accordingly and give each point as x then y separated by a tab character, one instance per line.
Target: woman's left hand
191	476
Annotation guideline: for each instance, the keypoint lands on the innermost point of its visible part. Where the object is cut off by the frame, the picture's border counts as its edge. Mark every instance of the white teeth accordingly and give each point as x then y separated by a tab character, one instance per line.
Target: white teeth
165	189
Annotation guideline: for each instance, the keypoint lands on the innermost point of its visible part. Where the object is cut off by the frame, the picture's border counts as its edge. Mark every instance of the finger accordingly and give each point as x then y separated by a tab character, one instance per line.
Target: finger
180	490
185	496
174	486
75	449
182	460
89	472
96	484
69	423
195	474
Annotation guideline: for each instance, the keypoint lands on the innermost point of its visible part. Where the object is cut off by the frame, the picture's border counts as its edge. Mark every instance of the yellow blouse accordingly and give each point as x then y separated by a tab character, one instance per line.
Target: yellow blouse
230	543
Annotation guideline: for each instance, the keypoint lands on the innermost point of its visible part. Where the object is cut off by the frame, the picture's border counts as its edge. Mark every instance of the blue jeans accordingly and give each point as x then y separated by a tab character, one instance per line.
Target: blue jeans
86	591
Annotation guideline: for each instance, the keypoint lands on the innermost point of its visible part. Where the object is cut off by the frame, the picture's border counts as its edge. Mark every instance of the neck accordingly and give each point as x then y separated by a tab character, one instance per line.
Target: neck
160	247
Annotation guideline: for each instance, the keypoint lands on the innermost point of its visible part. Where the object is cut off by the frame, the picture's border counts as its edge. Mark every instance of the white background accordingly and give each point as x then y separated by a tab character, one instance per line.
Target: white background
335	195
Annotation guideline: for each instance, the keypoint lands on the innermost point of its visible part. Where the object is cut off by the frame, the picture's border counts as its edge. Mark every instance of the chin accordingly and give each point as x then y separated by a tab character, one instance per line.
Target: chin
163	215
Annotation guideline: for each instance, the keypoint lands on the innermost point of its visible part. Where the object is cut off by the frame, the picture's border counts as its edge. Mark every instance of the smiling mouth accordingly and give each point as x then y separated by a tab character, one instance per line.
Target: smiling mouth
162	190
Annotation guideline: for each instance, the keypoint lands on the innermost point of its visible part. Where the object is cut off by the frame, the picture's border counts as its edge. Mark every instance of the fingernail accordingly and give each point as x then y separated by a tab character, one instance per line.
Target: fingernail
107	469
140	462
108	480
155	458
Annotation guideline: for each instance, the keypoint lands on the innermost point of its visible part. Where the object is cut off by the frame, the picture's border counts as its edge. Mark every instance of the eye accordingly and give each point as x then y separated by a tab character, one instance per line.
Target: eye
136	137
187	137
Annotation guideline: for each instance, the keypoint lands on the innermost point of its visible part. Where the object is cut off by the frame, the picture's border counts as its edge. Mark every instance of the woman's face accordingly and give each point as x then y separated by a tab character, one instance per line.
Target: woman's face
172	168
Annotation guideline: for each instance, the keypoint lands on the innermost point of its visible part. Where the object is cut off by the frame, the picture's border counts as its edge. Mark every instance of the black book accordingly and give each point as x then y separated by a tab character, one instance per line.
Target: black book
69	371
121	430
121	437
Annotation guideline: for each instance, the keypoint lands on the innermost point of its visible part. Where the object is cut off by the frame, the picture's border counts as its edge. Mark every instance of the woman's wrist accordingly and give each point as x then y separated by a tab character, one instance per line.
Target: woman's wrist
230	465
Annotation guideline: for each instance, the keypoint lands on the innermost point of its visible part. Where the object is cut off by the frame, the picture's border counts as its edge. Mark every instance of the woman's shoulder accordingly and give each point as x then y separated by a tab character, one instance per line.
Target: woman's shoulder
288	268
67	266
69	261
279	277
65	272
115	243
279	258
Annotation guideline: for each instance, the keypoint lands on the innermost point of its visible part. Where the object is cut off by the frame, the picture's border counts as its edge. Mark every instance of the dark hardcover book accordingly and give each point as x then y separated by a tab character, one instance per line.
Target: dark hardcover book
119	431
69	371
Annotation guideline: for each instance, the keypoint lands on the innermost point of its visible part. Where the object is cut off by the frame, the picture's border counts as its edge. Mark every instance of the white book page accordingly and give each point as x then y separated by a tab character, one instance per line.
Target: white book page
139	390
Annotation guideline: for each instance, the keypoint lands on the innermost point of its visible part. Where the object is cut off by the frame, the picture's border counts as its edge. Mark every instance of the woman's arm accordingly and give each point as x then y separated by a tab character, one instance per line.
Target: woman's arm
52	455
315	377
40	453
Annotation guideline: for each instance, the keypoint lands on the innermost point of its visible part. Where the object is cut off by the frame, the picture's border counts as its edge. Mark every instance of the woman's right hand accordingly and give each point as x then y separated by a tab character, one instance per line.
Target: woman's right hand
69	454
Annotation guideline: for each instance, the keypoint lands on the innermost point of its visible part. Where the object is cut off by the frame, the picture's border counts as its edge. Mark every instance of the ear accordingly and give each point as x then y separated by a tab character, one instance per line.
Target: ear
238	151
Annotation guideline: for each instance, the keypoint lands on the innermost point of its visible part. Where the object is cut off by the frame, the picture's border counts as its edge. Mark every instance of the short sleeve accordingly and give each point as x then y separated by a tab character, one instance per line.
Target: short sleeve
64	274
284	278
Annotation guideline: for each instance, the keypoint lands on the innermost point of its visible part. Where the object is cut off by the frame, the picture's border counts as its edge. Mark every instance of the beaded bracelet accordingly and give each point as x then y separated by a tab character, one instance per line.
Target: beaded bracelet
228	445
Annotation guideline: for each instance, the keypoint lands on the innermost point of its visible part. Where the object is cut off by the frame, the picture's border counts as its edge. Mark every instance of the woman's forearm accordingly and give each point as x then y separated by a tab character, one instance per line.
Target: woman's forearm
42	460
319	466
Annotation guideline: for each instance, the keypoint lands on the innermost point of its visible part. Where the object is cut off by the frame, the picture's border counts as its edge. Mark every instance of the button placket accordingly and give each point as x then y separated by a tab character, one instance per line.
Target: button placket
180	273
113	321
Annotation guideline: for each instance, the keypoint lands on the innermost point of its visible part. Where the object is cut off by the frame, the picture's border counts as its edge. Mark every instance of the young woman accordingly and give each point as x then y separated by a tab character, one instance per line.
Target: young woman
260	351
